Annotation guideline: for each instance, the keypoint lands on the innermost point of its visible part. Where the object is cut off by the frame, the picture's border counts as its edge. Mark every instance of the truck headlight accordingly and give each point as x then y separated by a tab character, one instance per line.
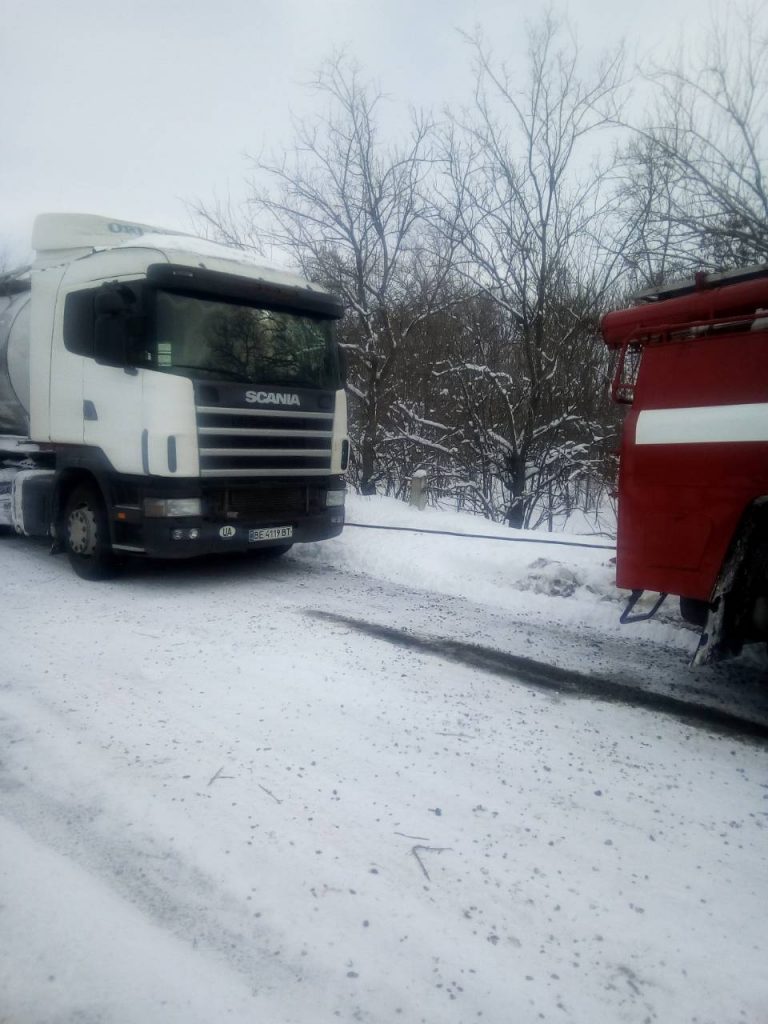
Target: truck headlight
162	508
334	498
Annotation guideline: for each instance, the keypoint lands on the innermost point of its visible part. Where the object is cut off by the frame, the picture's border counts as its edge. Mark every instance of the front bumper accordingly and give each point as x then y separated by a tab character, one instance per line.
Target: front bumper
222	537
230	517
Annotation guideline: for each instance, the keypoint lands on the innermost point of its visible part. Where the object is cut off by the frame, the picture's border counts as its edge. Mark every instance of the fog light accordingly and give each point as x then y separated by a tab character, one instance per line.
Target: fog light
160	508
334	498
177	534
185	534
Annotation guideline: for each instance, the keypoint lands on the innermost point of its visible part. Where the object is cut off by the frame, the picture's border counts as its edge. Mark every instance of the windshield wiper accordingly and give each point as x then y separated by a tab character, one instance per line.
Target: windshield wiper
263	379
293	382
229	374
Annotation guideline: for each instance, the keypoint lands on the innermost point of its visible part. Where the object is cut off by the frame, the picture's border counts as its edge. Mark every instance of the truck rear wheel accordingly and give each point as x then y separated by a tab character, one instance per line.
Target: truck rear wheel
693	611
86	535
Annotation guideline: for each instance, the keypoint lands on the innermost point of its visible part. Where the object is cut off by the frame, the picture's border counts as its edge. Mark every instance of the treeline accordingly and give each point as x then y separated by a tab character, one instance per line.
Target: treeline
477	252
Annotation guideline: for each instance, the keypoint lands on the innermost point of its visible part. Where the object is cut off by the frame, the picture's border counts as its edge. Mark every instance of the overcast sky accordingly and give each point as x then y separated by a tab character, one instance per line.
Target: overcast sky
132	109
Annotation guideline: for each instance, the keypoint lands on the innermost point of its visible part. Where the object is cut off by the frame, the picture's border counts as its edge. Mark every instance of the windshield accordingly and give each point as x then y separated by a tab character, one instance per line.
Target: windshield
224	340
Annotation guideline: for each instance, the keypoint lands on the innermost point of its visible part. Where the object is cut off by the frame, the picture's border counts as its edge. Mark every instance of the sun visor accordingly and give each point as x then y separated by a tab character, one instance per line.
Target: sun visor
64	235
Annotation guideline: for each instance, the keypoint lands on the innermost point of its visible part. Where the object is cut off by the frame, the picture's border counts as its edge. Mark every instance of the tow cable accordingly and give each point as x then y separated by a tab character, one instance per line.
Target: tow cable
485	536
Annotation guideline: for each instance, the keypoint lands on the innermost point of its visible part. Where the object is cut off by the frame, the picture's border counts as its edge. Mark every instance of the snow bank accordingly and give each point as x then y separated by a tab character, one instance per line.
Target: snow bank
536	574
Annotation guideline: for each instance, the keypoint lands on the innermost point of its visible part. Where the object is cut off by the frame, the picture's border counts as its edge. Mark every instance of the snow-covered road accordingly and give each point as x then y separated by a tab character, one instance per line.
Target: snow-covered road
335	788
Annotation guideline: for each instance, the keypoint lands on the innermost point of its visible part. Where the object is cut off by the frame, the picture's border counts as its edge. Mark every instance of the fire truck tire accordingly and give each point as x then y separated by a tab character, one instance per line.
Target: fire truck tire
745	601
693	611
86	535
759	621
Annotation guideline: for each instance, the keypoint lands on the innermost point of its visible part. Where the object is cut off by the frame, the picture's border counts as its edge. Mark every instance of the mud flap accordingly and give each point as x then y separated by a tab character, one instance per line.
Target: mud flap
711	646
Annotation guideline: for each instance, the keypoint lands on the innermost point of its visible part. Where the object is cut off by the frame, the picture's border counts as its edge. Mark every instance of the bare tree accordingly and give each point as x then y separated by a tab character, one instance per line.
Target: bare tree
352	212
531	215
698	166
471	305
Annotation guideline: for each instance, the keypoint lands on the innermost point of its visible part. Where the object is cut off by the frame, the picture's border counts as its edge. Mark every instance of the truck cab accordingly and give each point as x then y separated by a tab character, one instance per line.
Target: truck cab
179	400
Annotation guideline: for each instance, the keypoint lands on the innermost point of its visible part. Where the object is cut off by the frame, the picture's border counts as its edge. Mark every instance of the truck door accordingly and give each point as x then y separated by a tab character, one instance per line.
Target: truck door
112	414
97	405
113	384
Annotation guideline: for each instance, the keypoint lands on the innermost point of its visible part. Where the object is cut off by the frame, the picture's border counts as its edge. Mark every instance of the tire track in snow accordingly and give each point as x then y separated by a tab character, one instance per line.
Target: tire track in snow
174	894
566	682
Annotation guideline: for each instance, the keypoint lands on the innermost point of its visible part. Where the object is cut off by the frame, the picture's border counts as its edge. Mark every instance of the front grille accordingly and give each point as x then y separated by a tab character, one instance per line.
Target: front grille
257	503
263	442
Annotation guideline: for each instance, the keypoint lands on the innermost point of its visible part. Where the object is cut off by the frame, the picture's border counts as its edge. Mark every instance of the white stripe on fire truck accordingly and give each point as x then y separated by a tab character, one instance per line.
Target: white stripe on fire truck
707	424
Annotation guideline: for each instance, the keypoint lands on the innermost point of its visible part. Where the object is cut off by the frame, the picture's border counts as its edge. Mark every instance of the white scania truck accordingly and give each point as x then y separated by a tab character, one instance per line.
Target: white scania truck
162	397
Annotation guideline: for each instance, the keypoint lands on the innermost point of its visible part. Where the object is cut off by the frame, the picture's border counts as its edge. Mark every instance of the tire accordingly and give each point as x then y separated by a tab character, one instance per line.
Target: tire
694	612
85	532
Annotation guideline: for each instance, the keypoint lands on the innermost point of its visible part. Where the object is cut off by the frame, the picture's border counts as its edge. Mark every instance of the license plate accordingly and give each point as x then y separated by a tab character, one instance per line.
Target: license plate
271	533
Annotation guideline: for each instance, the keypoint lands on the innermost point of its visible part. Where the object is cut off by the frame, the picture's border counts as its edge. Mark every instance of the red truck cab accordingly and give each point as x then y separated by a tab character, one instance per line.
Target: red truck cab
693	476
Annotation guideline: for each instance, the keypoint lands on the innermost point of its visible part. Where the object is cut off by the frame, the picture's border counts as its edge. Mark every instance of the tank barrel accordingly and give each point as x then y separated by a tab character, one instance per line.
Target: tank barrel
14	362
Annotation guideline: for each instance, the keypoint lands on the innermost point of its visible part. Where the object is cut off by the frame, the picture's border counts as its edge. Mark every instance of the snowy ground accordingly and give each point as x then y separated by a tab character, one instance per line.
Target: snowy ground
342	787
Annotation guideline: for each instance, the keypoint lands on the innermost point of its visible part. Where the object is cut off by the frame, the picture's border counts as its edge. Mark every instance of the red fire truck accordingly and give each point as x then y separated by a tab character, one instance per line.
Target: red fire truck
693	478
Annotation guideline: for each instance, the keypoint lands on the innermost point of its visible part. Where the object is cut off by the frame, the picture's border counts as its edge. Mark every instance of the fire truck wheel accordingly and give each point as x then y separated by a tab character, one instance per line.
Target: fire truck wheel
86	535
694	612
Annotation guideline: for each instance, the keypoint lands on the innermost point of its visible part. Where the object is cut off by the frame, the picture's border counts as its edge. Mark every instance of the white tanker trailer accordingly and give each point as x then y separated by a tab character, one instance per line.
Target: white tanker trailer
160	396
14	356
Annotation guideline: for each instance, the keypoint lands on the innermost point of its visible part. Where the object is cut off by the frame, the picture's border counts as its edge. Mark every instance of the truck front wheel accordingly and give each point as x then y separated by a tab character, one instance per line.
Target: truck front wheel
86	535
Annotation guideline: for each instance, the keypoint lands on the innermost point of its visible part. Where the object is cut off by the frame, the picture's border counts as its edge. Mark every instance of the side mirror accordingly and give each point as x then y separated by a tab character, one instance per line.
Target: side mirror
110	340
110	300
112	306
343	366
